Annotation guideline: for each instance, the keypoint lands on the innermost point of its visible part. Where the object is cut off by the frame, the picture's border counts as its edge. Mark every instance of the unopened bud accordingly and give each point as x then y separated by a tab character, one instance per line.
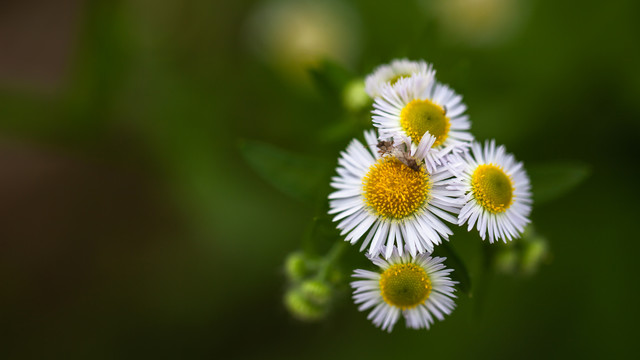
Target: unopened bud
296	266
506	261
302	308
354	96
316	291
535	252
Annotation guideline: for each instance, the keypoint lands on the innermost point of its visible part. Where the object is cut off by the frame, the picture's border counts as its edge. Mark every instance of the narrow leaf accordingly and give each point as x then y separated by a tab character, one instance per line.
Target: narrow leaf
550	181
297	175
330	77
454	262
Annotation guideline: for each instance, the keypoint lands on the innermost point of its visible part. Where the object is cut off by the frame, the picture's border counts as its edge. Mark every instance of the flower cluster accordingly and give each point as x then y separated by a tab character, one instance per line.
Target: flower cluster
396	193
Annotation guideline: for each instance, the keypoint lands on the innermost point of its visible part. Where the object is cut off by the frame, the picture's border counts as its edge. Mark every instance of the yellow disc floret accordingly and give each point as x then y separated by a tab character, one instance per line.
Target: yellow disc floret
395	78
492	188
405	285
420	116
393	189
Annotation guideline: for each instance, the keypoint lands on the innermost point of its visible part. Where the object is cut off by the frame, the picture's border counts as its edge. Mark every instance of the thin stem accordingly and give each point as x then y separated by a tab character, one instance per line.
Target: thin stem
334	254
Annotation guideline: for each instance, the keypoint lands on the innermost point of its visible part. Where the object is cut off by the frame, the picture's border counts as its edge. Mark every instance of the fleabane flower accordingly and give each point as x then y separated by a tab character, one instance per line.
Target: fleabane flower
386	194
418	287
392	72
496	191
418	104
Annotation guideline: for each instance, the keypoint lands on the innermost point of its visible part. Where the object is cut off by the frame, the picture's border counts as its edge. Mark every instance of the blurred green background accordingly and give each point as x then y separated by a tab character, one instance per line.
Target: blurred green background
132	226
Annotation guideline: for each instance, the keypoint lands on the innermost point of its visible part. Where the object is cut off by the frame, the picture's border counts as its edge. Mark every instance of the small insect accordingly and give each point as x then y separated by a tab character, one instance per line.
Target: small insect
444	108
399	152
409	160
385	147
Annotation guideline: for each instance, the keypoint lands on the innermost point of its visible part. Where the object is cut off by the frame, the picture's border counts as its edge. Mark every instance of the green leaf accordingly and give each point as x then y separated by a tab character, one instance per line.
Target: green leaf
297	175
454	262
550	181
330	77
343	131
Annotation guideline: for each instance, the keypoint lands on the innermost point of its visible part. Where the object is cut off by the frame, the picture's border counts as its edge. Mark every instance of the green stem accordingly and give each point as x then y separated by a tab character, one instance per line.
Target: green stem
334	254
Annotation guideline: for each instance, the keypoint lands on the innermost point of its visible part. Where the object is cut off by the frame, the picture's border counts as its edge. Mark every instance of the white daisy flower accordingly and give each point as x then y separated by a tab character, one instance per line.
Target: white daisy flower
416	105
496	191
390	73
392	198
417	287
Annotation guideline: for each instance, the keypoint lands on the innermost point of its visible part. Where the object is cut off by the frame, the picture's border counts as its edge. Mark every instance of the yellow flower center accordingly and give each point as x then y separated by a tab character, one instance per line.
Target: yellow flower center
394	190
405	285
420	116
395	79
492	188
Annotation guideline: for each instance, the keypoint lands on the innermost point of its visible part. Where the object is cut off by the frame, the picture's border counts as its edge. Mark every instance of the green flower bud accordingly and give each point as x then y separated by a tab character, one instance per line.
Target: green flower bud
506	261
296	266
354	97
534	253
316	291
302	308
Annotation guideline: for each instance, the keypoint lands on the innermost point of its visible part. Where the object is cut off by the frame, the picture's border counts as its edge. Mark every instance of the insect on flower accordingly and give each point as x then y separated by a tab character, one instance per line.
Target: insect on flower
399	152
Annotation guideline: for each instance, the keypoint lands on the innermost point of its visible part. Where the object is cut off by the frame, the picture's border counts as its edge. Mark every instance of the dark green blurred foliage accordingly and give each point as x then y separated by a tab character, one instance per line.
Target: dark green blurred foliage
524	256
132	226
